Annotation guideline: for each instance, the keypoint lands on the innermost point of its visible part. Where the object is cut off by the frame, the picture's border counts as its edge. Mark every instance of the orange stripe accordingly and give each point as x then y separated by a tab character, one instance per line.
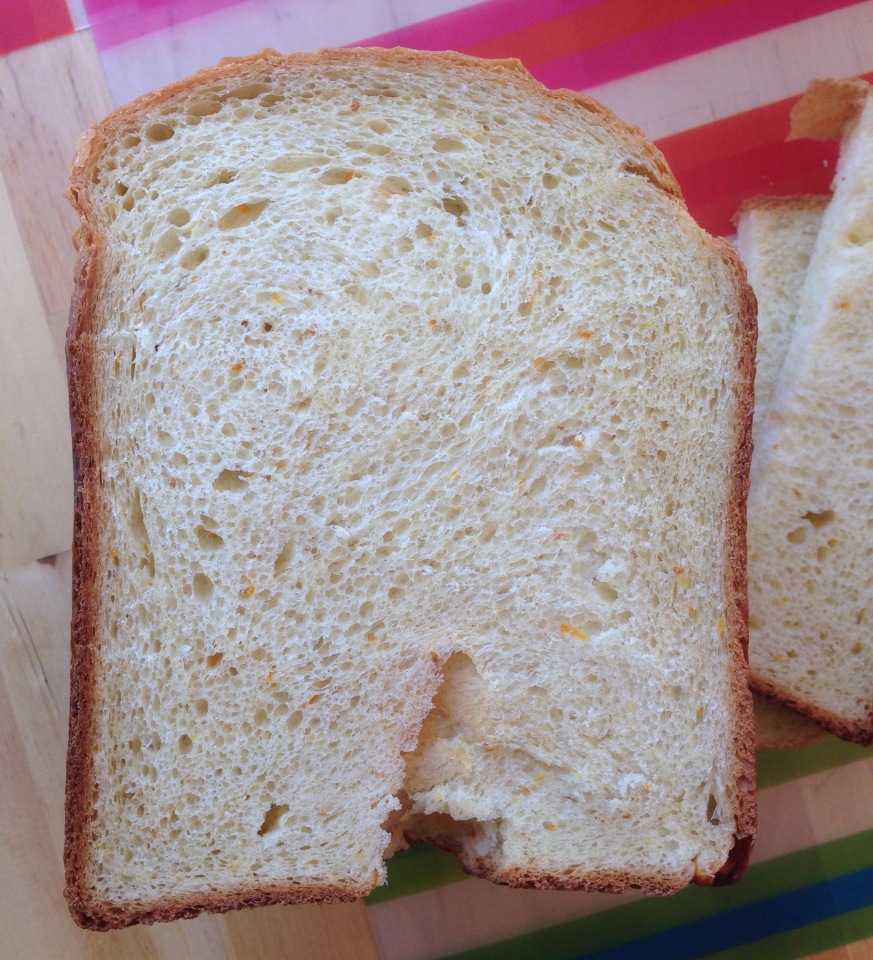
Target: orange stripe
587	28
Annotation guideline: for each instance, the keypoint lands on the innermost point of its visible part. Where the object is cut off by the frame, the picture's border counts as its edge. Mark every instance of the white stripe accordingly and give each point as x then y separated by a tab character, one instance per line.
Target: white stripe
440	922
740	76
149	62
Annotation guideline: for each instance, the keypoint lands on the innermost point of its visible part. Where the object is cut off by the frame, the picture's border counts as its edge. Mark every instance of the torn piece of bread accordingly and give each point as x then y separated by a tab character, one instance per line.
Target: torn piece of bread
775	238
811	503
411	414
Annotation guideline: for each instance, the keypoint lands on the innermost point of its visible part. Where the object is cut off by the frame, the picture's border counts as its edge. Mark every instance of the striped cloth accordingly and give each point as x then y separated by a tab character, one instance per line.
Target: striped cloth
712	81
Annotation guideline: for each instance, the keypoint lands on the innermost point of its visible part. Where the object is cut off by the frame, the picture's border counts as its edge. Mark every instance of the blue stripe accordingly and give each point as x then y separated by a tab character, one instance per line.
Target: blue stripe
764	918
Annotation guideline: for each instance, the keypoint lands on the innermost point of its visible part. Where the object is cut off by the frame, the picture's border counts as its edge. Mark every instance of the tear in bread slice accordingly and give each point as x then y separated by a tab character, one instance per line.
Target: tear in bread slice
412	427
811	504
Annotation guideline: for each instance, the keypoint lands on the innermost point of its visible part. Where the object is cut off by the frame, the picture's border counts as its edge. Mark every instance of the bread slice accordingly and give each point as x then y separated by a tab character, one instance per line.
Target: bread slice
411	415
775	238
811	504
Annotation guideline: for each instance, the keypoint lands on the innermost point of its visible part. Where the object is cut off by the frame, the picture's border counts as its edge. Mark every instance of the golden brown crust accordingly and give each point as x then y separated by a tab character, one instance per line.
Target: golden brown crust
86	471
109	916
81	788
735	588
827	106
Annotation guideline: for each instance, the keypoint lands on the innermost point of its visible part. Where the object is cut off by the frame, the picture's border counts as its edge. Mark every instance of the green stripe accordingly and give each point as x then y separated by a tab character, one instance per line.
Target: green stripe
422	867
807	940
780	766
618	924
415	870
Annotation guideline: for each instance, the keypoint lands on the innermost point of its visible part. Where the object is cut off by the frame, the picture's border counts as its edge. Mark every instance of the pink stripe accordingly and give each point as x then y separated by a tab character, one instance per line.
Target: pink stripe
677	40
475	24
118	21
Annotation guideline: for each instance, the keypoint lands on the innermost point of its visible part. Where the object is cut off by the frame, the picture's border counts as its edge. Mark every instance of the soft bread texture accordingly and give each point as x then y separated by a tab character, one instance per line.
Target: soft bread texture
411	415
775	238
811	504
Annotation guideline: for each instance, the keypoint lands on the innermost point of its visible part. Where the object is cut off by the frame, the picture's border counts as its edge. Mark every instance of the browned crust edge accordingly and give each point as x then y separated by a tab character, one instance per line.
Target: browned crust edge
88	481
855	731
109	916
800	201
86	486
826	108
736	585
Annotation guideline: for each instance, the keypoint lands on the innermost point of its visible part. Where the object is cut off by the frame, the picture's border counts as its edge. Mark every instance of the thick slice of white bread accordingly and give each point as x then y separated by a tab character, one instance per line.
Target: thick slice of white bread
775	238
811	504
411	414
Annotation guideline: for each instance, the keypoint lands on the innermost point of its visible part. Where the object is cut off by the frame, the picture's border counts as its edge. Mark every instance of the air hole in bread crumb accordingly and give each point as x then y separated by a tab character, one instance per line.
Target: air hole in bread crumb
203	588
131	141
293	163
819	519
185	743
283	561
711	808
379	126
249	91
797	536
294	720
230	480
272	818
455	206
463	280
242	215
193	258
169	244
448	145
604	591
159	132
137	520
223	176
396	185
178	217
550	181
207	540
201	707
204	108
337	176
